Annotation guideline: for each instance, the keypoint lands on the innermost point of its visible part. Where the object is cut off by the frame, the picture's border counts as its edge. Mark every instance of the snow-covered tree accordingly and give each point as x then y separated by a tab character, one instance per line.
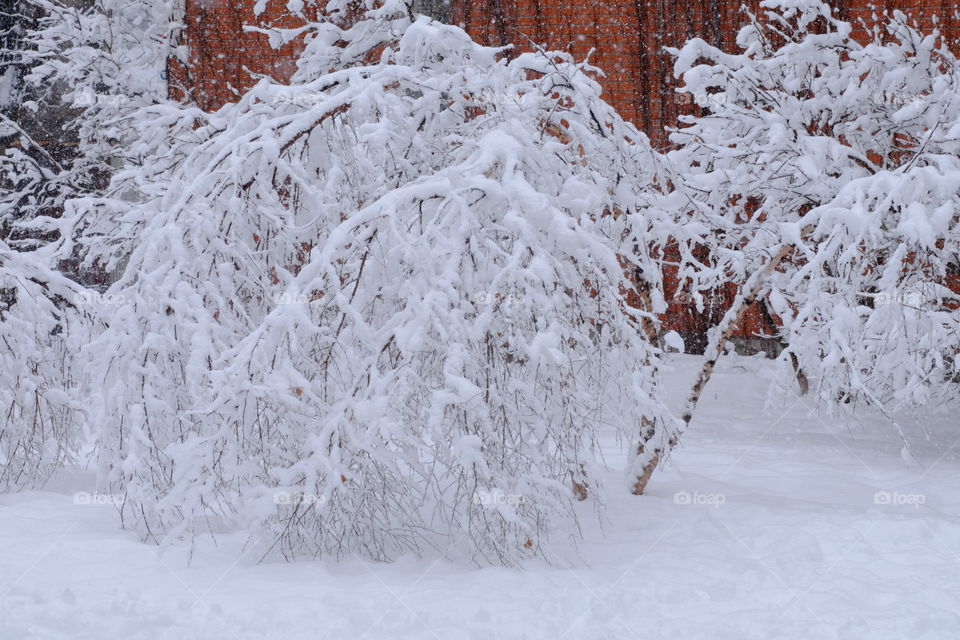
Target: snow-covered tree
826	172
97	68
39	422
86	68
380	309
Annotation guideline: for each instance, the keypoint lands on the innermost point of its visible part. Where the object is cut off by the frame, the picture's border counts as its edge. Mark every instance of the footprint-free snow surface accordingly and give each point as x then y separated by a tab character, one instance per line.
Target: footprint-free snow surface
769	522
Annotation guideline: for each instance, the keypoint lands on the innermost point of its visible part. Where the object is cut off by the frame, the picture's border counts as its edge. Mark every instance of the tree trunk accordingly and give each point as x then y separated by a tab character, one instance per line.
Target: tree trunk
747	296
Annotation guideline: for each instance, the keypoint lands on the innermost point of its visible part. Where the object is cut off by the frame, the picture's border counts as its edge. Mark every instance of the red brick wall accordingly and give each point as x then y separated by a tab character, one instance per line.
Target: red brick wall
222	56
626	37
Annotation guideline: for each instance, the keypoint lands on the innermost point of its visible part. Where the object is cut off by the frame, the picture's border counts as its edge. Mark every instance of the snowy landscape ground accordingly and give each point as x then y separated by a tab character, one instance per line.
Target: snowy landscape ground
769	522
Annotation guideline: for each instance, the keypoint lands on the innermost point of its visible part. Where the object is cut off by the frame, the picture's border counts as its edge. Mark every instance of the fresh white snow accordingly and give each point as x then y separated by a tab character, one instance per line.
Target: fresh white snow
767	523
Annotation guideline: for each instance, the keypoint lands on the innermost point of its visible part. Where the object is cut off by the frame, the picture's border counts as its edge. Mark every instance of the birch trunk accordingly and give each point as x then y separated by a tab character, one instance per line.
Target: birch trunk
748	295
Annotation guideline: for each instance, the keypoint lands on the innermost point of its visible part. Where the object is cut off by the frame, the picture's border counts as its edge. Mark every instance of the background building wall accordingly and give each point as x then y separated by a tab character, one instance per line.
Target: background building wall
221	57
625	38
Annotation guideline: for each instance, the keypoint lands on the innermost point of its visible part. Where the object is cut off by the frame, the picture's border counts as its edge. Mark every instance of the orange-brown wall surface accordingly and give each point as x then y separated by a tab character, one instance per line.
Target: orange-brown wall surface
222	56
625	38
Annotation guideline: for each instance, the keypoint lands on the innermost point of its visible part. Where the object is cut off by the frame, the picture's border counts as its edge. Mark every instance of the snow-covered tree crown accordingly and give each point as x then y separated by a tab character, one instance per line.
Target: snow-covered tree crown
842	158
360	307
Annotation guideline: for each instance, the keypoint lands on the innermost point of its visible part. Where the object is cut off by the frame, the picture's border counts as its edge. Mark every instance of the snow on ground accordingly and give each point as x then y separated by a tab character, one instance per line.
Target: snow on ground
767	524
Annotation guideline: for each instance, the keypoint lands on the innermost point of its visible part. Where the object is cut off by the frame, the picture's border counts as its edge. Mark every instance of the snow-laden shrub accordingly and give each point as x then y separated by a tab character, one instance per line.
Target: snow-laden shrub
834	166
87	68
40	420
39	423
380	309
